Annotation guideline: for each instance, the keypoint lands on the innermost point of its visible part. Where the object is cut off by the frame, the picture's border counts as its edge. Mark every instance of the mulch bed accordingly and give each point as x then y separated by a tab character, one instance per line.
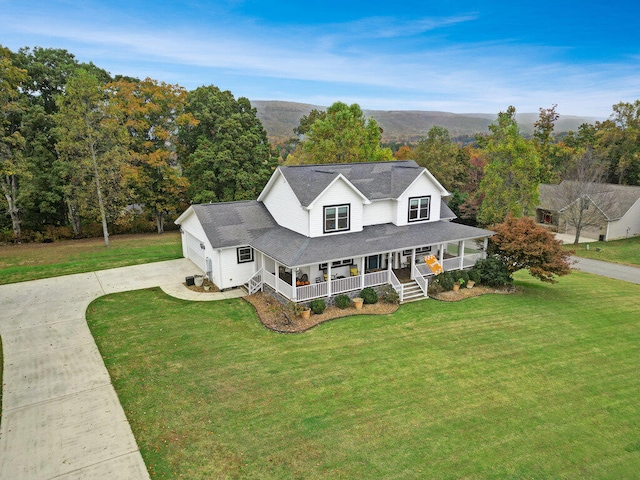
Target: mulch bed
461	294
280	318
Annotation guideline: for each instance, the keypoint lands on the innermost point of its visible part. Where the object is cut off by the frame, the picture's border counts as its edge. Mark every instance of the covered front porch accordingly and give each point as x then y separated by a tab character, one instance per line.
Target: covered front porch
404	269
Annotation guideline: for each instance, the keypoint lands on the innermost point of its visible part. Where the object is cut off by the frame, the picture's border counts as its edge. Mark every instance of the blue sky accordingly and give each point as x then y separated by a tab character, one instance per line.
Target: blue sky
458	56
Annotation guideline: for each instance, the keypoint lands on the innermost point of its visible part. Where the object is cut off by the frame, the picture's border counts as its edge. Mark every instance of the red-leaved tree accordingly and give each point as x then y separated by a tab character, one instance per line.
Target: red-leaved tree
523	244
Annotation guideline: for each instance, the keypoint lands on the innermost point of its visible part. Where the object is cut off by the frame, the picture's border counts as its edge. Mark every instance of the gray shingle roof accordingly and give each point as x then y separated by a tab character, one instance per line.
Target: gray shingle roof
614	200
292	249
375	180
231	224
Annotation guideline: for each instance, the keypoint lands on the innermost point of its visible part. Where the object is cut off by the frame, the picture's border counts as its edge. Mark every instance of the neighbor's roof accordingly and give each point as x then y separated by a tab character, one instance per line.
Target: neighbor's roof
375	180
613	200
231	224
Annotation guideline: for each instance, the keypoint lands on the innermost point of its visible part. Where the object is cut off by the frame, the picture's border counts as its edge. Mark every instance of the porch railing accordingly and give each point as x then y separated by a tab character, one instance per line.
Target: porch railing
420	280
255	283
346	284
395	283
376	278
307	292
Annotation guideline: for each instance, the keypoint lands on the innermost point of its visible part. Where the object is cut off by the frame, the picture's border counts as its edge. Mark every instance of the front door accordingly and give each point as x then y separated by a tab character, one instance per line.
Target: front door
373	262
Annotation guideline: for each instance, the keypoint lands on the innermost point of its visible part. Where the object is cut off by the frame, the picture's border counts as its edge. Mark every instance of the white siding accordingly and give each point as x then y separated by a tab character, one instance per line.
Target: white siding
234	274
285	207
377	212
422	187
618	229
192	235
338	193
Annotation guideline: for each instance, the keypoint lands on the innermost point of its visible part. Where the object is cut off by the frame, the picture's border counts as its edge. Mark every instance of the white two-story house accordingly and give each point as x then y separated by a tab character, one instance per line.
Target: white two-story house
320	230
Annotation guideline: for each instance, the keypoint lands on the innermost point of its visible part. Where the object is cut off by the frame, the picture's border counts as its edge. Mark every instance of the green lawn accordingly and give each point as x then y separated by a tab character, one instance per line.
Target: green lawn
625	251
19	263
539	384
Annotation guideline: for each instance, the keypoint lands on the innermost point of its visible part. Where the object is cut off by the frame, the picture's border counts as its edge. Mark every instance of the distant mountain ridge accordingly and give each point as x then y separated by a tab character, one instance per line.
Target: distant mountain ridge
280	118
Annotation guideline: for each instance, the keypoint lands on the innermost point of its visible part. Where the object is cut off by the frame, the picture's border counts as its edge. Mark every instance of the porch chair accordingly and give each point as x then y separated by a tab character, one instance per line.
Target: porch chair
353	271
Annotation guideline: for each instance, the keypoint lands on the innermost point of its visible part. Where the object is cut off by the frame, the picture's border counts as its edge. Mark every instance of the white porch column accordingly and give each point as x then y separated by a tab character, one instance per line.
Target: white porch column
294	287
277	274
413	262
389	260
485	246
461	253
442	247
362	265
328	279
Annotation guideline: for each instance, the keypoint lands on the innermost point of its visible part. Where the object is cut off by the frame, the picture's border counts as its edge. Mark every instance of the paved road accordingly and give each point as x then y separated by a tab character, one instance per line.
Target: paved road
607	269
61	417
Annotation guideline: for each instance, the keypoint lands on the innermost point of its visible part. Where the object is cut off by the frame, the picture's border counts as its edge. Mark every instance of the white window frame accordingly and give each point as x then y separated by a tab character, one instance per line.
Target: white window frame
242	256
337	218
419	208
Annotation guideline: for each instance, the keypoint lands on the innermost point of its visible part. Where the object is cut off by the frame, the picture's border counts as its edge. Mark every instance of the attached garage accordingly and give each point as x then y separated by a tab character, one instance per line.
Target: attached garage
195	250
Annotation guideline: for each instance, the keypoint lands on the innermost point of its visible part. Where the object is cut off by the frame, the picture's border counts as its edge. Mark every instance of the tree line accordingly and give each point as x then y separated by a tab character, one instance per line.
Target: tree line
80	148
82	151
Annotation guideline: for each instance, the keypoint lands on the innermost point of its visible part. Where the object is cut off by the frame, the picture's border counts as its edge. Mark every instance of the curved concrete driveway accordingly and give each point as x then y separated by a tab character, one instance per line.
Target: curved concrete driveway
61	417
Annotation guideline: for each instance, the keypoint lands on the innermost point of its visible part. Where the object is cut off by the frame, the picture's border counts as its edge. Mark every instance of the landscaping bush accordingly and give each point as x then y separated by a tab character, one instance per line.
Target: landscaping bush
342	301
493	272
445	280
474	275
389	295
462	277
317	306
369	296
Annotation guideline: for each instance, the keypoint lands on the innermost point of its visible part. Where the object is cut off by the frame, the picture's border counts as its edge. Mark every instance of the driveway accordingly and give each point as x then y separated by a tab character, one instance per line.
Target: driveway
607	269
61	417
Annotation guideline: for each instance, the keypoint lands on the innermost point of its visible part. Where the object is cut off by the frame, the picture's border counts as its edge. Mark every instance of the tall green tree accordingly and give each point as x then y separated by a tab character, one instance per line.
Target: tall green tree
343	135
225	152
94	143
443	158
153	111
510	184
618	140
12	143
48	70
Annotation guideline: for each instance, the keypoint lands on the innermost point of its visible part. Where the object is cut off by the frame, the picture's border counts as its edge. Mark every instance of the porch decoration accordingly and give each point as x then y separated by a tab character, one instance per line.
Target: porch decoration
357	302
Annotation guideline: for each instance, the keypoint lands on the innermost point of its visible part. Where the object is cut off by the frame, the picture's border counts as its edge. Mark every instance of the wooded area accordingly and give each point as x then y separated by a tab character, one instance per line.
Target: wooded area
84	153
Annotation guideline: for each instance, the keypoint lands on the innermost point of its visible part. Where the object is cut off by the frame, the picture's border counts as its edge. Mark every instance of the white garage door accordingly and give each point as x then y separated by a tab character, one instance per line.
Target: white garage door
195	253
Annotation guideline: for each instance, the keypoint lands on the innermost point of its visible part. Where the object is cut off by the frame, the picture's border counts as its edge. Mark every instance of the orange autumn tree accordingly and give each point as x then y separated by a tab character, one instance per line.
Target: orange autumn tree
153	111
523	244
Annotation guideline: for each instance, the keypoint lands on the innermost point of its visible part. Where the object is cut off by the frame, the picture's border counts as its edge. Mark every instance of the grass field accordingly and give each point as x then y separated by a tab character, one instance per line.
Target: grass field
540	384
33	261
625	251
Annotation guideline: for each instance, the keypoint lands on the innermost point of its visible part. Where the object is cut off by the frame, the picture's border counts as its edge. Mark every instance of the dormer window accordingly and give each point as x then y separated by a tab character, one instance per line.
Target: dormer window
336	218
419	208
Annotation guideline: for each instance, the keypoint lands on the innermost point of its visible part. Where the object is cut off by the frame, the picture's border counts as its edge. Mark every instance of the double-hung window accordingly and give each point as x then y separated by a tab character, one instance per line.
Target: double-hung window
419	208
336	218
245	254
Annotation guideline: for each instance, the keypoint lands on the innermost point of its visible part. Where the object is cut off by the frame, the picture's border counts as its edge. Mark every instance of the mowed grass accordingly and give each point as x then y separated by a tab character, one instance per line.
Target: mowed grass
540	384
626	251
19	263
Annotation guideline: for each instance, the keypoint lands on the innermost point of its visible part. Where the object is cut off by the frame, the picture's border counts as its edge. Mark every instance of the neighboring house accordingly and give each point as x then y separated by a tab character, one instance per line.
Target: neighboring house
610	212
334	228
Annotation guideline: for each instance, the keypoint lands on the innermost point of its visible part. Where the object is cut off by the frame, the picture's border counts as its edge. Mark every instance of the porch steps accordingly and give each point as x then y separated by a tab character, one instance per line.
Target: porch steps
411	292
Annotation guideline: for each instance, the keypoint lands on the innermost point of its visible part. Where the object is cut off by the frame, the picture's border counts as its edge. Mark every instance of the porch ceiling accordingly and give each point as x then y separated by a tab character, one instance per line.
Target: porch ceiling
293	249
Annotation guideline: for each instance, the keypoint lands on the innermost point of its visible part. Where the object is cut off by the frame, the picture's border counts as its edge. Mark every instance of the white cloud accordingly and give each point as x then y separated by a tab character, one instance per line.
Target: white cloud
469	77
